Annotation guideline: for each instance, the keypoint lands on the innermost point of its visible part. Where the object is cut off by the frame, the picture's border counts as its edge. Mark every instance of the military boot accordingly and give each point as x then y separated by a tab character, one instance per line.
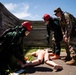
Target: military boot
67	58
72	61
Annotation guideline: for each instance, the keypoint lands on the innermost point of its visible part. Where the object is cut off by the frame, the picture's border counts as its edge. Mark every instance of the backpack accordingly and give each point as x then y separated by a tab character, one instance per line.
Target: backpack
8	37
73	19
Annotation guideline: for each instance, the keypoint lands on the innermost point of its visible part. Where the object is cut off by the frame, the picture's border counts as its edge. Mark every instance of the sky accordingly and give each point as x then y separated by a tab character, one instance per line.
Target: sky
35	9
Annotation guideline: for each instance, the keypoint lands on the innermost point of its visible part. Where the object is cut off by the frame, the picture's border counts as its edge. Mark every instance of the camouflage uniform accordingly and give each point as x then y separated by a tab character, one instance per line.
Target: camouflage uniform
67	23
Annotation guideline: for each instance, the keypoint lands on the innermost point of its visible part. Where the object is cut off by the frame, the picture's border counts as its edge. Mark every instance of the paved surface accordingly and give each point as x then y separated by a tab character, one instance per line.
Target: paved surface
44	69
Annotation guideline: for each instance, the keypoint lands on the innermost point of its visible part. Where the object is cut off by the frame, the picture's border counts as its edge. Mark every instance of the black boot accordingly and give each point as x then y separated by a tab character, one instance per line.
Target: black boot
67	58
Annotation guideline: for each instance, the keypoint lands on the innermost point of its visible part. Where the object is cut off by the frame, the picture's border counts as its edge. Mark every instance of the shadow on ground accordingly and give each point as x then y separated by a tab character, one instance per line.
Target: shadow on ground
38	68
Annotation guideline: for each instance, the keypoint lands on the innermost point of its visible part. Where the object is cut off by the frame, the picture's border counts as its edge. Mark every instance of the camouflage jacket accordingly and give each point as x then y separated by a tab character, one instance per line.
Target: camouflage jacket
67	23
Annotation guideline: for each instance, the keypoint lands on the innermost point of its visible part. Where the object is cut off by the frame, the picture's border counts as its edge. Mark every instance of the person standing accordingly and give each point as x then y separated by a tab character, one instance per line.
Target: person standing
67	23
52	25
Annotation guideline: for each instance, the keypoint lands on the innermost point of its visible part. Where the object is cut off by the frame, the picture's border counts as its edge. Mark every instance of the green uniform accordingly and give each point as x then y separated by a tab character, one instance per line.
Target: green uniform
11	45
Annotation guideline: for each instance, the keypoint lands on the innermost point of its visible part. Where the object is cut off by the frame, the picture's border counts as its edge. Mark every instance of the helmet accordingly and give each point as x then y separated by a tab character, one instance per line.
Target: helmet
46	17
27	25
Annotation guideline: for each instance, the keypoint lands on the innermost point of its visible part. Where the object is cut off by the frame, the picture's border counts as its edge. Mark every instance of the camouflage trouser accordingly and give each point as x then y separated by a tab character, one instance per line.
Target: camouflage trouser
56	46
73	46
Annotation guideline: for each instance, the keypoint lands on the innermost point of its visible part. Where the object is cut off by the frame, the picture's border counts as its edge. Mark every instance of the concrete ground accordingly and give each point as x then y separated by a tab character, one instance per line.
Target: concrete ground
44	69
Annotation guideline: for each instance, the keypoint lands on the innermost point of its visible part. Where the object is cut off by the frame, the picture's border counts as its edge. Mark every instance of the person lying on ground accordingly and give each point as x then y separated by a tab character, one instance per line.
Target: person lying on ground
42	56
